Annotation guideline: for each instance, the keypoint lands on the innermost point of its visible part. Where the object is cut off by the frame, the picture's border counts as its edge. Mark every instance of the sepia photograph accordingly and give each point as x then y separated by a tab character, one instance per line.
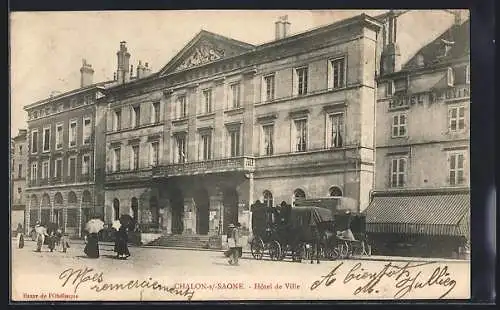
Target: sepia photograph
185	155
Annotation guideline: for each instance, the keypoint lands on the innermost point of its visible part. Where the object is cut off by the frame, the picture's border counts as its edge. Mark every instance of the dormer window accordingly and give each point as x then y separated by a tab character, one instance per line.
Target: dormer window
447	45
420	60
450	77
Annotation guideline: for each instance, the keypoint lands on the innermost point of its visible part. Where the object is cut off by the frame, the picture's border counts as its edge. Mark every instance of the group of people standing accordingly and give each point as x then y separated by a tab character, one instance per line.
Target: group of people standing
53	234
121	244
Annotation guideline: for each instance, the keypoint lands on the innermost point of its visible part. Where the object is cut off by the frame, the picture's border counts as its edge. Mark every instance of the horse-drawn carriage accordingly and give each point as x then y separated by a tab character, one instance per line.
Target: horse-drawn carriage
306	231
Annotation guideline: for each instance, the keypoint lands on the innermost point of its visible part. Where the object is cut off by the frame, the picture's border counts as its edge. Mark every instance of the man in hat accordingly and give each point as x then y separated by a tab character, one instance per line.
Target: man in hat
233	243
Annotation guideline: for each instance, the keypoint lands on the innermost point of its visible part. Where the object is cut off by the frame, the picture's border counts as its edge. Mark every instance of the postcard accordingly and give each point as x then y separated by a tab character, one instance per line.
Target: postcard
187	156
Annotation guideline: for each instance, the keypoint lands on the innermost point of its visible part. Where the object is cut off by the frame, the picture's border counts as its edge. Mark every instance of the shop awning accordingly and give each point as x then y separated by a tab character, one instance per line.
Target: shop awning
420	213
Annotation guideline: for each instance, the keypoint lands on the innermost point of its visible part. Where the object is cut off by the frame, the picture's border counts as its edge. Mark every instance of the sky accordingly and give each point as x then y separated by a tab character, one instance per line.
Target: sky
47	48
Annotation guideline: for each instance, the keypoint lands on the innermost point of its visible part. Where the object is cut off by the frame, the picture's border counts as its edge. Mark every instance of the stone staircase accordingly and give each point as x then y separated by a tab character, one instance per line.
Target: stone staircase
183	241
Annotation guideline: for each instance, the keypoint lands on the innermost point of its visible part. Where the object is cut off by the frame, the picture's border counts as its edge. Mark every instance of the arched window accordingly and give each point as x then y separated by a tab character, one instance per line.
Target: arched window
335	191
116	209
268	198
298	194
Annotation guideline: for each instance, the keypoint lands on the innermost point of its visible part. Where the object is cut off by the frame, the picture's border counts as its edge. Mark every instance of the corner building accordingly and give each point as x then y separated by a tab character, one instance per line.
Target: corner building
226	123
65	175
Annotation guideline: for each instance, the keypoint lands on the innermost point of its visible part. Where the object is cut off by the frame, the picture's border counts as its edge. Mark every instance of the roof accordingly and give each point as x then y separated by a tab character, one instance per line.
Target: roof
317	214
458	36
418	212
101	85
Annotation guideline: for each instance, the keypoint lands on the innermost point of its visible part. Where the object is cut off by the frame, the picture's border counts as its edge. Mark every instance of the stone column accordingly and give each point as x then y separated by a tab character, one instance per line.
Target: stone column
189	218
216	206
250	201
28	219
52	209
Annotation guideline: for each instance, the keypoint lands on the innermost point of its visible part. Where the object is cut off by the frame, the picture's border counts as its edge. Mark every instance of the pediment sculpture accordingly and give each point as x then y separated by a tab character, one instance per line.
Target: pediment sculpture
202	54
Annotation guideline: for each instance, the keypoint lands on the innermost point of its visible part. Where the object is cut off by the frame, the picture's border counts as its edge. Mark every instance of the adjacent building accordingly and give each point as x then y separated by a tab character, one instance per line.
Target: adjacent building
18	178
421	202
64	174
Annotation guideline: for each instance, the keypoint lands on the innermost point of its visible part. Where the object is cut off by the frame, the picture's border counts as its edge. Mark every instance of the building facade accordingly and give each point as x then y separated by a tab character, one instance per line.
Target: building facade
226	123
18	178
422	199
64	175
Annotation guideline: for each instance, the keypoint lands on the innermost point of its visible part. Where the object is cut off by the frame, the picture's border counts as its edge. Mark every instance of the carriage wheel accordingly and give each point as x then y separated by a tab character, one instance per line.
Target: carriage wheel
344	250
257	248
275	250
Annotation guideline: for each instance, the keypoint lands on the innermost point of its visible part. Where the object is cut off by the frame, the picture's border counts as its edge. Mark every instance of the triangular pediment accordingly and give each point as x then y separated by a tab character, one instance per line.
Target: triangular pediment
204	48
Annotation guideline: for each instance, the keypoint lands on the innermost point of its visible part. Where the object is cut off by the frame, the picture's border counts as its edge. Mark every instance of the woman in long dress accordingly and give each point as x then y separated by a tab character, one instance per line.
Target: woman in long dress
122	251
92	246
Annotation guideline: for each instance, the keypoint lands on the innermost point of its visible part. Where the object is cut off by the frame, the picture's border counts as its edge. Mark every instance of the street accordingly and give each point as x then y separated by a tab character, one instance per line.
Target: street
202	275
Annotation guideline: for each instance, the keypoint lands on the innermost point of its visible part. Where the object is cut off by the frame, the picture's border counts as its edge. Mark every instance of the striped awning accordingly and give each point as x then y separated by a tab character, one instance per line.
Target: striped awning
423	214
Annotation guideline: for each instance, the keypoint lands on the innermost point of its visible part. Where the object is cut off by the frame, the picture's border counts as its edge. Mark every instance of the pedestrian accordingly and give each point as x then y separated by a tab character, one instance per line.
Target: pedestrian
63	240
40	236
233	243
92	246
52	241
122	251
20	236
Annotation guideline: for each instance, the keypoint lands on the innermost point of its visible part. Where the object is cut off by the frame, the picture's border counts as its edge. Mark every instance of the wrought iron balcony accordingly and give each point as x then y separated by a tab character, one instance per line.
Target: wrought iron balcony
243	163
128	175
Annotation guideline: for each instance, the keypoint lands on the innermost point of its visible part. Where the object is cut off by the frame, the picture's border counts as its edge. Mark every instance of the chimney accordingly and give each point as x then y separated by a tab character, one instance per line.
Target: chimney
86	74
123	56
390	61
146	70
140	70
282	27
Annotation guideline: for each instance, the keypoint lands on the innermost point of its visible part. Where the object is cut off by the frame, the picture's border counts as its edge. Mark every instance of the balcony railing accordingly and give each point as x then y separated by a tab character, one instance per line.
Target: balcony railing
126	175
243	163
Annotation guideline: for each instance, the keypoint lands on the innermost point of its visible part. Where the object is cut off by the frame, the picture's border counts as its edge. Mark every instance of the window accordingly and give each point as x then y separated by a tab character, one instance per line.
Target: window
206	146
87	130
456	118
335	191
117	120
135	120
181	107
457	168
467	74
269	87
399	125
301	81
234	142
300	135
34	141
268	198
59	136
72	133
180	142
156	113
58	169
20	171
116	159
34	171
20	150
46	139
207	101
234	96
389	88
268	139
298	194
450	77
72	169
134	163
155	153
45	170
338	73
19	193
398	172
85	164
336	129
